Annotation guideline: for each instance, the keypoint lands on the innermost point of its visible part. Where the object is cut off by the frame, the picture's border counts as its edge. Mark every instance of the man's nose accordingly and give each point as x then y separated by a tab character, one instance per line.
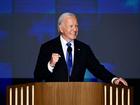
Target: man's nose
75	29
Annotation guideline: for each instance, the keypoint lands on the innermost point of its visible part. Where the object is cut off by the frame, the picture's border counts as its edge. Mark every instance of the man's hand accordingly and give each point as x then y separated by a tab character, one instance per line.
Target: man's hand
54	59
120	81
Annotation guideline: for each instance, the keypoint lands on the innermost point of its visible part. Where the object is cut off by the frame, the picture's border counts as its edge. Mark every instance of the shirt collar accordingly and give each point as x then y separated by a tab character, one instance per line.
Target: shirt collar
64	42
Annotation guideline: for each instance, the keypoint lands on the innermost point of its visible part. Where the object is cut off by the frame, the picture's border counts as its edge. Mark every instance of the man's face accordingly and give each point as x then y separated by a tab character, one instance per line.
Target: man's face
69	28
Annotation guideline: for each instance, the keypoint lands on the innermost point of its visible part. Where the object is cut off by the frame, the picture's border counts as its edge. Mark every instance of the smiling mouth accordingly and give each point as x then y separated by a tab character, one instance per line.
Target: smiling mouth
74	33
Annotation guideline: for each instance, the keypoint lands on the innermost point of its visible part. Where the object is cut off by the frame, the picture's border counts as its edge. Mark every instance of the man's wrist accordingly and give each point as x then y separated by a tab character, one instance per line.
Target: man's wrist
113	79
50	67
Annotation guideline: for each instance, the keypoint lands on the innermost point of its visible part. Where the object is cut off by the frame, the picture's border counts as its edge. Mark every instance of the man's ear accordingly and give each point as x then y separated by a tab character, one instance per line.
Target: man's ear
61	28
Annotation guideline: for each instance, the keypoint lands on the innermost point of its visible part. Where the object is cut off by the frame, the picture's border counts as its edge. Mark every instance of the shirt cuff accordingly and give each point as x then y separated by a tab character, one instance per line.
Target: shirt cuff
50	68
113	79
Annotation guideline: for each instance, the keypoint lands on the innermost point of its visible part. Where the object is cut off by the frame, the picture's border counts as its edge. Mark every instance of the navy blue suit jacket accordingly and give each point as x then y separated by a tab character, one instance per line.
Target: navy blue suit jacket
83	59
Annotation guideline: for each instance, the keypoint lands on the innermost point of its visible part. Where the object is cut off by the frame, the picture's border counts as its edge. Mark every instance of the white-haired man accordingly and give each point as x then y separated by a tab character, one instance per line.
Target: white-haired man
66	59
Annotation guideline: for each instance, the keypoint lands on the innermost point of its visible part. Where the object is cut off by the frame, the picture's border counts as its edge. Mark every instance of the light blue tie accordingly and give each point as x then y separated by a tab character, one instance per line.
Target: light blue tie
69	58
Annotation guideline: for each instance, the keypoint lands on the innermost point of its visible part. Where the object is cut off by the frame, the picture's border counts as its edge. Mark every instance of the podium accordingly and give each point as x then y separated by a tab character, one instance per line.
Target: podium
69	93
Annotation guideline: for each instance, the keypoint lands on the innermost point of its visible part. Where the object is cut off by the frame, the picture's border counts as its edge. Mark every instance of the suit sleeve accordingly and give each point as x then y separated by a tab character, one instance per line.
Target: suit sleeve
96	68
41	72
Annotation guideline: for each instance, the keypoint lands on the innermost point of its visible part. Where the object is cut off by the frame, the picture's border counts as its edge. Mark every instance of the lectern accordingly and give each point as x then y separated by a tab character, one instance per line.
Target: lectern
69	93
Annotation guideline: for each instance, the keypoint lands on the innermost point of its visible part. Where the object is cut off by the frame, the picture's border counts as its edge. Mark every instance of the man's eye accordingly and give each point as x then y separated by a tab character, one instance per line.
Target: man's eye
71	26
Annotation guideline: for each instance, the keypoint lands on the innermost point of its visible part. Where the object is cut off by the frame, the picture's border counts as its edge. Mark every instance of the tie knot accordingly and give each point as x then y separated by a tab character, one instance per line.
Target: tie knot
68	44
69	49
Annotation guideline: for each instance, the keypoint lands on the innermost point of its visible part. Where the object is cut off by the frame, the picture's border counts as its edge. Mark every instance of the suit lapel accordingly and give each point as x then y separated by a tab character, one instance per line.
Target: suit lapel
60	51
76	56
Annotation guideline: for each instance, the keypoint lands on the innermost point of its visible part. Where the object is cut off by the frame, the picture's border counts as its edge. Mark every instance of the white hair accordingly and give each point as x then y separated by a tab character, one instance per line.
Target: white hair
61	18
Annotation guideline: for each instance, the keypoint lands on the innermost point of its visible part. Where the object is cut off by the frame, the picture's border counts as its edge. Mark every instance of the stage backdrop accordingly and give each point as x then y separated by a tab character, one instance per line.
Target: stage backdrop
110	27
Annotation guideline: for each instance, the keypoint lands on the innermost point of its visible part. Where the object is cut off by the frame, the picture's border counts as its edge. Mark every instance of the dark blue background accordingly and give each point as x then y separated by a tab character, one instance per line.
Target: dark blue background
110	27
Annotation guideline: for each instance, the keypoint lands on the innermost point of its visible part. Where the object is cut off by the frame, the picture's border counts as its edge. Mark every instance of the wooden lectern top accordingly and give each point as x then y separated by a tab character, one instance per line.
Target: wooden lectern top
69	93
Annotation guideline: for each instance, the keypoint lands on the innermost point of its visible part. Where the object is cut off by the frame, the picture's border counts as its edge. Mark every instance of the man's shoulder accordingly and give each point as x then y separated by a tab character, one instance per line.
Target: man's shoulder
51	42
81	44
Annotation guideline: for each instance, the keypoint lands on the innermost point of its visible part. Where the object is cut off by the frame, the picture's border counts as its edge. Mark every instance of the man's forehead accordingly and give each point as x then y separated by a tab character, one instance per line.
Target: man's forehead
70	19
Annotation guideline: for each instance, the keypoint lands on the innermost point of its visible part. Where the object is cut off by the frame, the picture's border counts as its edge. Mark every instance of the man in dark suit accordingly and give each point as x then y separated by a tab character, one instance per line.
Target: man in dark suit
66	59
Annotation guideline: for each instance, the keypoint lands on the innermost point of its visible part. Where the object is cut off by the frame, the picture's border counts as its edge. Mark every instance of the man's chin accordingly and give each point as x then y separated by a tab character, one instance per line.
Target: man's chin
74	38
